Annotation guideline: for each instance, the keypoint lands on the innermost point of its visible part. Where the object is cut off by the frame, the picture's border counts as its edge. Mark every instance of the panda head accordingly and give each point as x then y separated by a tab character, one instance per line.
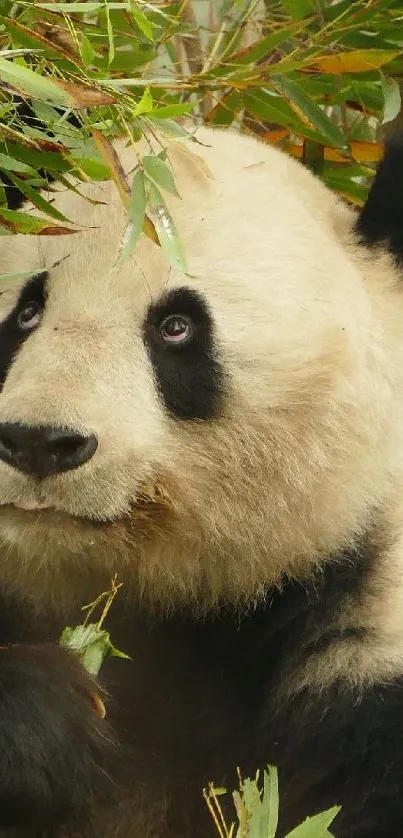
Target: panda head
202	435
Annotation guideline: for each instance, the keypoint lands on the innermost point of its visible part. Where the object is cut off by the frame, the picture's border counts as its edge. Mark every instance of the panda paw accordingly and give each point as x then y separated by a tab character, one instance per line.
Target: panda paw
54	748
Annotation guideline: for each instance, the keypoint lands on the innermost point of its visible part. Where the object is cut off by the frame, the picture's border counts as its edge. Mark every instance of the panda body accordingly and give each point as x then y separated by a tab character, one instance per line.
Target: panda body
230	443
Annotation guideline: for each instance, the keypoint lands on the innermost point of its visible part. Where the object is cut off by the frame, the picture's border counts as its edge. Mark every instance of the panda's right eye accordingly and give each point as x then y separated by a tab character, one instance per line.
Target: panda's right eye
29	317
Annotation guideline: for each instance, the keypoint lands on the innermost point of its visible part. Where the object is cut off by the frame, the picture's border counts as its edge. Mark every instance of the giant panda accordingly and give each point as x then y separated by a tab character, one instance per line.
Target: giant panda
229	442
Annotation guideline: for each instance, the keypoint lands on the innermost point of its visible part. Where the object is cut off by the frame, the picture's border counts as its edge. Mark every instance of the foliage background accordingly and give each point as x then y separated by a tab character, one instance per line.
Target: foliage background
320	78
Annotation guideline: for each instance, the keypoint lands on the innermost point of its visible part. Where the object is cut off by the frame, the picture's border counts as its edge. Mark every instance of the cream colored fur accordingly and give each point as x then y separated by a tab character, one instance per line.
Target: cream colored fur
308	452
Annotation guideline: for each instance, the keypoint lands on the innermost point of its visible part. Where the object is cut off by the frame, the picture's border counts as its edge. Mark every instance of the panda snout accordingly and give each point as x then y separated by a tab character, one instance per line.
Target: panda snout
43	450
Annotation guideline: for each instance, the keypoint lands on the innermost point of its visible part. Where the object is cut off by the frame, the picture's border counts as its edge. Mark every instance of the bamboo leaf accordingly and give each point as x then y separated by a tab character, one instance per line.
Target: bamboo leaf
145	105
111	53
392	99
87	51
172	111
111	159
143	23
165	227
270	802
137	211
158	171
22	34
13	165
37	200
299	8
357	61
365	152
263	47
316	827
27	82
21	222
309	112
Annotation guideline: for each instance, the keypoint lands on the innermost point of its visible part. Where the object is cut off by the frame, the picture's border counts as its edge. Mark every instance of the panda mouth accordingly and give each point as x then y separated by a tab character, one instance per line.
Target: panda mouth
47	509
32	506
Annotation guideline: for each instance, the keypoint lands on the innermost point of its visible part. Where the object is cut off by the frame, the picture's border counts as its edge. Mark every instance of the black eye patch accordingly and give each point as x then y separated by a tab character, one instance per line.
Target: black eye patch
188	371
12	334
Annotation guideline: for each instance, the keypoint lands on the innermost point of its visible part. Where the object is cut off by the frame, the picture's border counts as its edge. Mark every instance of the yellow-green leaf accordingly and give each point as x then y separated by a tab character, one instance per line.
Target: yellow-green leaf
165	227
137	211
21	222
143	23
145	105
356	61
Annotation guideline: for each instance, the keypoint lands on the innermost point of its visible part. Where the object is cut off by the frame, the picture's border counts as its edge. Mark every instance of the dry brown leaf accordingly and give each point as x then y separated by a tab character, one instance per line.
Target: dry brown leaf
85	97
48	39
108	152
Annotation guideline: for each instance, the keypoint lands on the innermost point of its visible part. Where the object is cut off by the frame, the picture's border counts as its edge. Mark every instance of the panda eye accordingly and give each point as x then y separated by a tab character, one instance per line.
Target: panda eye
29	316
176	329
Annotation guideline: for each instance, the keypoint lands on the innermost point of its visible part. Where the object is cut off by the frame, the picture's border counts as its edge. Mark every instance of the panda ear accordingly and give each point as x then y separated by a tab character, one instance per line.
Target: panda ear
381	219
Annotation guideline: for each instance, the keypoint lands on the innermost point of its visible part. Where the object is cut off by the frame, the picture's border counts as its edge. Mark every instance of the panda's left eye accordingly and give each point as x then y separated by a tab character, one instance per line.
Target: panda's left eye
176	329
29	316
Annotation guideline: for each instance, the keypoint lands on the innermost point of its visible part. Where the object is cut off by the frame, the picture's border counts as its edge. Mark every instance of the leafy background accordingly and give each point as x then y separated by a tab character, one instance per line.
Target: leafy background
317	77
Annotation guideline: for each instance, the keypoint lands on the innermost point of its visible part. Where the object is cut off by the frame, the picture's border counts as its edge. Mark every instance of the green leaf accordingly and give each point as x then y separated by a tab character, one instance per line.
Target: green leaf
37	199
392	99
316	827
87	51
172	111
269	815
309	112
158	171
145	105
172	129
299	8
92	644
32	84
13	165
263	48
271	107
143	23
45	113
109	30
137	211
94	169
166	230
89	642
314	156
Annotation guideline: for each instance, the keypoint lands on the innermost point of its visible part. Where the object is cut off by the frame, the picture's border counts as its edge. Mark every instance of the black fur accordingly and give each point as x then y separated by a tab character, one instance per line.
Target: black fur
53	745
199	698
12	336
381	219
189	376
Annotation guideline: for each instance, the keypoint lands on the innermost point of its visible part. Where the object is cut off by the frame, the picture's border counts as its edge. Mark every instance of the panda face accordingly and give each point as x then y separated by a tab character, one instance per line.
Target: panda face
202	434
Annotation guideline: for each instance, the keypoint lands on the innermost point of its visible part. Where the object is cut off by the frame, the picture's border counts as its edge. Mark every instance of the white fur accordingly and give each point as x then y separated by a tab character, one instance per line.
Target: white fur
308	451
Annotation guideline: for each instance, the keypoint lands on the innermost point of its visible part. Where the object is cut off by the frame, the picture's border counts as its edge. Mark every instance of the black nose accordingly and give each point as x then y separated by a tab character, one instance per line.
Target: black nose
42	450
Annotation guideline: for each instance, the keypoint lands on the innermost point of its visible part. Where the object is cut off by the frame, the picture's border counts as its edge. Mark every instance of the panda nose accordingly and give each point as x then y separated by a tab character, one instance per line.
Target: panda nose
42	450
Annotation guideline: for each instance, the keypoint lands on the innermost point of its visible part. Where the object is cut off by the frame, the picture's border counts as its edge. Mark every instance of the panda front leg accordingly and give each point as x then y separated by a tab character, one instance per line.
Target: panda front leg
56	751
